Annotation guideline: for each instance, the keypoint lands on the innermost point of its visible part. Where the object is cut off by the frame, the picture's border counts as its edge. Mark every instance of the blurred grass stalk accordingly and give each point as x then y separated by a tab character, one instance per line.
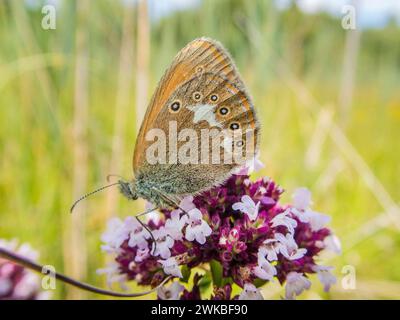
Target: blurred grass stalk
142	62
142	67
75	246
22	22
350	56
122	104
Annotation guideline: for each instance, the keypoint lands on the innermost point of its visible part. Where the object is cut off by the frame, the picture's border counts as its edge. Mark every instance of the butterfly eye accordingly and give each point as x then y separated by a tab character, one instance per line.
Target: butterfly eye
197	96
175	106
224	111
234	126
214	98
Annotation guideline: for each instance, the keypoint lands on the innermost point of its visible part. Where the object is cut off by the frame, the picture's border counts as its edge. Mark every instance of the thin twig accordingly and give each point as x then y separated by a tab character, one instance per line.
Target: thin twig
81	285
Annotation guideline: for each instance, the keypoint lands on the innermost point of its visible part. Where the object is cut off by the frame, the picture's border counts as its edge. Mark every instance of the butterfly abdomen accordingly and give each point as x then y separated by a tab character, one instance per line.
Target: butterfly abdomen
152	183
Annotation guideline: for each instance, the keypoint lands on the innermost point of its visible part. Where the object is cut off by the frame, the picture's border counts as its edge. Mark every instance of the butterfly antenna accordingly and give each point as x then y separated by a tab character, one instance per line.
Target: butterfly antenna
93	192
109	176
151	234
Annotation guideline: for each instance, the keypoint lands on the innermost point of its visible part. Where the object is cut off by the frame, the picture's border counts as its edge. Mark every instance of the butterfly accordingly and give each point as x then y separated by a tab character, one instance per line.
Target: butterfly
200	91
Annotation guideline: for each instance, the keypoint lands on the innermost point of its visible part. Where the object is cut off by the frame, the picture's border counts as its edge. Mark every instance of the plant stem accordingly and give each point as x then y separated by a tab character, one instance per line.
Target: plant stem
81	285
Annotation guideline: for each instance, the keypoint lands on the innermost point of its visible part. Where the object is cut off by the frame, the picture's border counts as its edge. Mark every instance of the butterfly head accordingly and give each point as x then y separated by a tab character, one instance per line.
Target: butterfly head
128	189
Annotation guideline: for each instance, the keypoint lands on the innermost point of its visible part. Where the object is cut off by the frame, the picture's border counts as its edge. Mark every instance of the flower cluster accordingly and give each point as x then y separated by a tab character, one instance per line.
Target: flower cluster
240	227
16	282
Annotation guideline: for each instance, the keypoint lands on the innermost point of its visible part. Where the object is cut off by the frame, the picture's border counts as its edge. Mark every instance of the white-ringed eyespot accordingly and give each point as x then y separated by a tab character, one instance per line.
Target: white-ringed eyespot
223	111
214	97
234	126
175	106
197	96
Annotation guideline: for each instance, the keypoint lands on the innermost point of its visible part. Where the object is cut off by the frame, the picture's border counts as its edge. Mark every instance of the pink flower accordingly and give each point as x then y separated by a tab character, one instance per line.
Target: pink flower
197	228
175	224
264	270
296	283
333	244
171	267
248	207
242	230
270	249
170	293
325	276
153	216
250	292
284	219
113	274
316	220
17	282
255	164
301	198
164	243
115	235
137	234
187	203
289	247
141	254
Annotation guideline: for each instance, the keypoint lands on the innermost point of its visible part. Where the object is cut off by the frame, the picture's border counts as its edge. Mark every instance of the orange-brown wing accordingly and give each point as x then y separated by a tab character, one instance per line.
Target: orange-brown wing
198	57
207	128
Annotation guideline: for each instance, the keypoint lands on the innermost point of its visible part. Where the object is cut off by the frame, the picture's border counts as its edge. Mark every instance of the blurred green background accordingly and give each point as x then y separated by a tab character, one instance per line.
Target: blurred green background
328	100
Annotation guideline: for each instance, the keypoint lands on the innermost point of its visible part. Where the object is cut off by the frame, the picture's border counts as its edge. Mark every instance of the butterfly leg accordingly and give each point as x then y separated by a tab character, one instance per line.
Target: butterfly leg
151	234
170	201
146	227
146	212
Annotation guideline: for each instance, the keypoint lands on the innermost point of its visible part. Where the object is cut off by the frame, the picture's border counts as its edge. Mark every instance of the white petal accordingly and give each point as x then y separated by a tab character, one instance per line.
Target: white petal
200	238
299	254
296	283
317	220
195	214
165	253
189	234
248	202
187	203
175	215
301	198
205	228
170	293
250	292
238	206
332	243
153	216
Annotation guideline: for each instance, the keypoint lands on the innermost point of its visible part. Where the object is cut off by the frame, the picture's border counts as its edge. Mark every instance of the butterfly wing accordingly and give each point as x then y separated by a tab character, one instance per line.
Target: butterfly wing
199	56
202	90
